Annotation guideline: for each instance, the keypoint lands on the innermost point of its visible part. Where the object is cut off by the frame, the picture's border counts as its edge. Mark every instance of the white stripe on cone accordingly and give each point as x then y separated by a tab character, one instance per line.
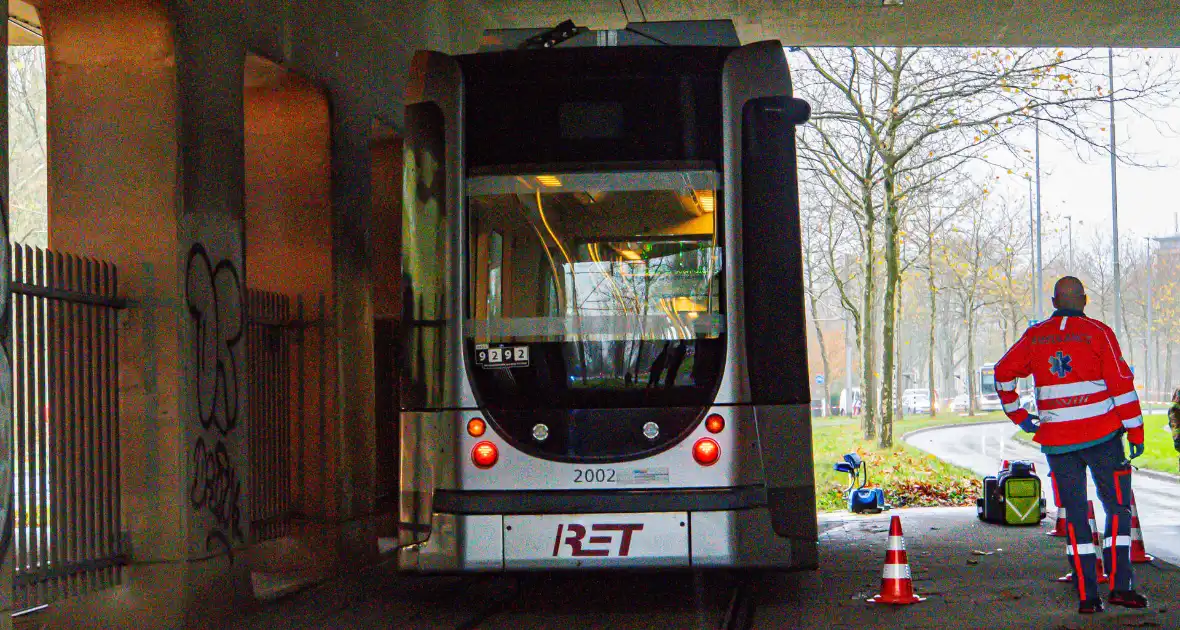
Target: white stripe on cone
1138	552
896	543
896	572
1123	541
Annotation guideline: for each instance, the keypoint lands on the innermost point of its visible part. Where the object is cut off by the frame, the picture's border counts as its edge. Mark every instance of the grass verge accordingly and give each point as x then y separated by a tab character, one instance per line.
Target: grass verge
1158	453
910	477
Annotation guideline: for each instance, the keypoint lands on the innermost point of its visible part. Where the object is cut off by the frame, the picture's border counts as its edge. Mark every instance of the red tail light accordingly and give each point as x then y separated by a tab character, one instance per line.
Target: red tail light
476	427
715	423
706	451
485	454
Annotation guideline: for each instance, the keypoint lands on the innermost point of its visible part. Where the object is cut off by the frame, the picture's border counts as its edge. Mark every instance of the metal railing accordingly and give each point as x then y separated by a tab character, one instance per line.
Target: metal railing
66	495
275	360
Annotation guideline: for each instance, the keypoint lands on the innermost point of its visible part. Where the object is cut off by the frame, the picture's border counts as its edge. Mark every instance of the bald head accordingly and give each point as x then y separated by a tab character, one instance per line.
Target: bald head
1069	294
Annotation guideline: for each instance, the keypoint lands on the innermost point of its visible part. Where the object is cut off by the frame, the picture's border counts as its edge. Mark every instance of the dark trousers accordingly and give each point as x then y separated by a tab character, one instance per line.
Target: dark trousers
1112	476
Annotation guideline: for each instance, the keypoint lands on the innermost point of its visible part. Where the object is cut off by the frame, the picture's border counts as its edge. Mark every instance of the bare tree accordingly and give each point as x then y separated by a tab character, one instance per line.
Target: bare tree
930	220
972	259
28	182
816	291
838	164
932	111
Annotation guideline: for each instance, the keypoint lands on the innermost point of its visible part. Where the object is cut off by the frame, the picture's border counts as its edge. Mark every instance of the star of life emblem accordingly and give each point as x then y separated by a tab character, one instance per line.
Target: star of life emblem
1059	364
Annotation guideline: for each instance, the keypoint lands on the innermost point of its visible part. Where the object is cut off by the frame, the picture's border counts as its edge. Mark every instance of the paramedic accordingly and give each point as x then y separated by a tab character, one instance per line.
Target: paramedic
1087	401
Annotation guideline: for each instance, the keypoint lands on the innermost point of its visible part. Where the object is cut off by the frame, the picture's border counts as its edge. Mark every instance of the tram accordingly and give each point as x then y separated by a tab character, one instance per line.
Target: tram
604	360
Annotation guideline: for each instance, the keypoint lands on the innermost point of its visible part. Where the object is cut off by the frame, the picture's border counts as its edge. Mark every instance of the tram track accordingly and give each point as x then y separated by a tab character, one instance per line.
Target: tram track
739	613
494	607
502	602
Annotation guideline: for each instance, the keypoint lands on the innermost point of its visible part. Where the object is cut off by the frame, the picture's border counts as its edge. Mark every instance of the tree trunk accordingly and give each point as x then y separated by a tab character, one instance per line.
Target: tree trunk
819	334
868	362
933	316
948	353
899	412
972	391
891	307
889	310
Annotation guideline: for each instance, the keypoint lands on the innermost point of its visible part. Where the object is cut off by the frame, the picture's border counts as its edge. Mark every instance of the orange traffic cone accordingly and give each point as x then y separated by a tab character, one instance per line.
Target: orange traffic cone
1097	538
896	585
1059	527
1138	553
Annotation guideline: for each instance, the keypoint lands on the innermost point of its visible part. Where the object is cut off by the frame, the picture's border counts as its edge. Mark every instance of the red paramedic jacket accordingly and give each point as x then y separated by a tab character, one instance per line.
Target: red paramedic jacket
1085	390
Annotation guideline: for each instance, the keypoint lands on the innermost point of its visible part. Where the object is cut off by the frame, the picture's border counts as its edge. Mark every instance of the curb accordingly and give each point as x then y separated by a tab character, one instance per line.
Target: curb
1155	474
906	436
1152	474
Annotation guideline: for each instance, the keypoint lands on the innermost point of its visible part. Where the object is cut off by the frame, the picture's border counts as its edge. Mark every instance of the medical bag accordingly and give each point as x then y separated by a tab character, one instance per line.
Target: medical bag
1013	496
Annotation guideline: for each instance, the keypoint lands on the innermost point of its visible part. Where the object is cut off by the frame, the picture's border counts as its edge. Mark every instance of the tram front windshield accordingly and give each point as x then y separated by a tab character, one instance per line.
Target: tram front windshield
987	382
595	290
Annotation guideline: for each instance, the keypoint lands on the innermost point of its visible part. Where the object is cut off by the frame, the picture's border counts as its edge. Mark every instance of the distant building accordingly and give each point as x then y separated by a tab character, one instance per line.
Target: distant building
1168	245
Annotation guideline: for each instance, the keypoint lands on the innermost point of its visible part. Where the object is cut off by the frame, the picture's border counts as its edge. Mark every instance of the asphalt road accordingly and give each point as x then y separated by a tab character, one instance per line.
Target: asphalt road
981	448
975	575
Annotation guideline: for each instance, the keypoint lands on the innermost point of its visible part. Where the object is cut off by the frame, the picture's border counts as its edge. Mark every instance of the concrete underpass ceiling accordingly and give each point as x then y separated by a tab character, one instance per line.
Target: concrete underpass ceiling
24	27
915	22
819	22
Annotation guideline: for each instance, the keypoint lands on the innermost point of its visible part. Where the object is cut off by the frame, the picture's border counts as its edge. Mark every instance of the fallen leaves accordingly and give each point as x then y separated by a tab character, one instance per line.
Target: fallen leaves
911	480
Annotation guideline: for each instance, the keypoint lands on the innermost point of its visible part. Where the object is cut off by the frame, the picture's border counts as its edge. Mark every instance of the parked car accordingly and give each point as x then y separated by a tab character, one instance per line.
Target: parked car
918	401
960	404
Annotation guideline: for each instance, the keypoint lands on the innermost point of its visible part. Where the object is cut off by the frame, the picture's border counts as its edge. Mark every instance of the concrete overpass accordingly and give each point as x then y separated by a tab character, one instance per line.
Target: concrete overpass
201	146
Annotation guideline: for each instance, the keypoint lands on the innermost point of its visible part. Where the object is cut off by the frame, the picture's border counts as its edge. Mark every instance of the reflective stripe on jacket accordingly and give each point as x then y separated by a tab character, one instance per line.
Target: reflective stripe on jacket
1085	390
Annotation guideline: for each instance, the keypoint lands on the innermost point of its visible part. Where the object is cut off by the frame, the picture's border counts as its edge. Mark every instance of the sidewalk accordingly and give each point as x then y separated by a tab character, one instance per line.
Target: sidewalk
1012	588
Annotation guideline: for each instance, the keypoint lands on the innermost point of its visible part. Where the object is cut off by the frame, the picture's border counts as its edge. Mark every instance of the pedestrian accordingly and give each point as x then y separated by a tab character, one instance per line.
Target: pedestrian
1086	399
1174	419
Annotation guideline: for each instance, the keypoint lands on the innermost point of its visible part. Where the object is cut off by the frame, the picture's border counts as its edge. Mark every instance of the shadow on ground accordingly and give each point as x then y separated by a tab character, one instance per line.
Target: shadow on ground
1013	587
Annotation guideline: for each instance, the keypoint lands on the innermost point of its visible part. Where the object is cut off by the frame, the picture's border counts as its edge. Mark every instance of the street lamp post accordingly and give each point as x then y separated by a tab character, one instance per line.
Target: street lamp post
1114	204
1150	323
1032	243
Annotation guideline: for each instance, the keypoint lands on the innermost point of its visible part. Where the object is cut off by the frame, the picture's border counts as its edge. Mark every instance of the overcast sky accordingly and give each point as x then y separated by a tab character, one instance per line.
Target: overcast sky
1148	198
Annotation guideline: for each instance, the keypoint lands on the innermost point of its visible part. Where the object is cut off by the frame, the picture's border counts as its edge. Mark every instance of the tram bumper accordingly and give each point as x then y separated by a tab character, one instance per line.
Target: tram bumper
744	538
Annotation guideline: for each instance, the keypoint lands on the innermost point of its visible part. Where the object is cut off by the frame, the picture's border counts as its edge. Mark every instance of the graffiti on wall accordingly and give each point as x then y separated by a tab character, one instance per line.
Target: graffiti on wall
215	301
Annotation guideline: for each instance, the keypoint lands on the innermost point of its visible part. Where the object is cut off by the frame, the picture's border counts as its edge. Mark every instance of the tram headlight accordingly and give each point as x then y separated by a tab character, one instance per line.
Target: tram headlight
476	427
715	423
485	454
706	451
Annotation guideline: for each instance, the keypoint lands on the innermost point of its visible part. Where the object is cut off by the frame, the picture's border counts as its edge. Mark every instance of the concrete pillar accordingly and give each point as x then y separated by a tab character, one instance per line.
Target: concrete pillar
289	251
145	171
355	436
5	368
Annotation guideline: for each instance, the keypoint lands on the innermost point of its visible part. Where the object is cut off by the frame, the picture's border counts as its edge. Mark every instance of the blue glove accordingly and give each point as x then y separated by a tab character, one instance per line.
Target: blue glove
1136	450
1029	424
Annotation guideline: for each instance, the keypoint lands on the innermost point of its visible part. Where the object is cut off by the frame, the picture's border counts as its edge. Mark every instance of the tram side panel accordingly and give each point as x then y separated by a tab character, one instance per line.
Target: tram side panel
430	374
768	347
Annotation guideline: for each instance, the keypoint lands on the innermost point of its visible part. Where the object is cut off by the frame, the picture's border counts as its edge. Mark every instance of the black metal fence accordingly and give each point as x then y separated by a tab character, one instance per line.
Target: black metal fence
276	364
66	527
